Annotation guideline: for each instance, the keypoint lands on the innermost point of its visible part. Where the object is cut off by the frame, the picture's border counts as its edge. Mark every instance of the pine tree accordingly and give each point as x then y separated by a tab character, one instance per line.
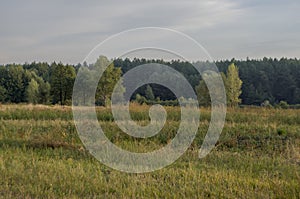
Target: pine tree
62	82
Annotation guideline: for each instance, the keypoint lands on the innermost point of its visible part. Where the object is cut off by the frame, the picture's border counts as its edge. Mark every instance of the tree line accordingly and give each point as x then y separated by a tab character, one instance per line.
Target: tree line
262	81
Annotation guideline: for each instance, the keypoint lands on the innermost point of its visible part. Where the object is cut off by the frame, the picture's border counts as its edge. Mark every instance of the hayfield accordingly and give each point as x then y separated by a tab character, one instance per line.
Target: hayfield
257	156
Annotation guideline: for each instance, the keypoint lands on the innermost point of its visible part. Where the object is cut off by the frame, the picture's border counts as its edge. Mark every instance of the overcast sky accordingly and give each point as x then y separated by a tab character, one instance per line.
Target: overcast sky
61	30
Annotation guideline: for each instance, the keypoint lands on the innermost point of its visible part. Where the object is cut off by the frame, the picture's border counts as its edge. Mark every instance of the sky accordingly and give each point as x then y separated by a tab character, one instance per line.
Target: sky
67	30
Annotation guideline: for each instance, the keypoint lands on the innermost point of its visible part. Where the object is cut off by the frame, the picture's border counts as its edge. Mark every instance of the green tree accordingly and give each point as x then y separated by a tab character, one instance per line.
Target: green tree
203	94
149	93
85	79
62	82
214	80
233	86
44	88
15	84
108	80
32	92
3	94
44	92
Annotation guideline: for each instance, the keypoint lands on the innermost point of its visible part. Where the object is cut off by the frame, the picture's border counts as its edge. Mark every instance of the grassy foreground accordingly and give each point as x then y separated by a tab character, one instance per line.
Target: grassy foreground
257	156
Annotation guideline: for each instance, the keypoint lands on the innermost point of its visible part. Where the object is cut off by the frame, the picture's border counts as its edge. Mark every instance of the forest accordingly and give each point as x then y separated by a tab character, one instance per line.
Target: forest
268	81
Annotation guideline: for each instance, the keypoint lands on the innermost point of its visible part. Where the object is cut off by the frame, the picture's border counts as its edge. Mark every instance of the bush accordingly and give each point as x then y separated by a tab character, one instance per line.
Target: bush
140	99
283	104
295	106
266	104
68	102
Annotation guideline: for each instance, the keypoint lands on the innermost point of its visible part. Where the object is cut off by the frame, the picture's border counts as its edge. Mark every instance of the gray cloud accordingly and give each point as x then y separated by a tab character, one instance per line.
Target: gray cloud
67	30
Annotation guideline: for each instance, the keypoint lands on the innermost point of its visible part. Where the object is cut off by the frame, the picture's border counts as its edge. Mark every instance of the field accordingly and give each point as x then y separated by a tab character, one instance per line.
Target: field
257	156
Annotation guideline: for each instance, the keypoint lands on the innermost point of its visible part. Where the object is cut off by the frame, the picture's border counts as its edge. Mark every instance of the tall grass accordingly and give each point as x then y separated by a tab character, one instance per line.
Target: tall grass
257	156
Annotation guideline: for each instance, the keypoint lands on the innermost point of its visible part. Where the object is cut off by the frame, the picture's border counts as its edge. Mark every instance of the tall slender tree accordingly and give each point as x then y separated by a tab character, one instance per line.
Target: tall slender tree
233	86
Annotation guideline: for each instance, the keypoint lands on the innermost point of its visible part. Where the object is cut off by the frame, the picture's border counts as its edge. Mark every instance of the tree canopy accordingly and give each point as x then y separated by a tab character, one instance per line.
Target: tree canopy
272	80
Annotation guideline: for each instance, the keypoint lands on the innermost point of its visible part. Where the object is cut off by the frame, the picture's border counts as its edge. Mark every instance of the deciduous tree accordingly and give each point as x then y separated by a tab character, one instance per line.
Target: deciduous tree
233	86
32	92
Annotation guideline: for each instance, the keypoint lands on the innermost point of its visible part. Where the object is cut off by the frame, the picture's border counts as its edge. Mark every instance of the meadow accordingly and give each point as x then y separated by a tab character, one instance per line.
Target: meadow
257	156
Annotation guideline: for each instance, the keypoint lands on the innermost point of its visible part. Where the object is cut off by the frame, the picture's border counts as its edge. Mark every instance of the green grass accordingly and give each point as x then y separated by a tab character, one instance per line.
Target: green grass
257	156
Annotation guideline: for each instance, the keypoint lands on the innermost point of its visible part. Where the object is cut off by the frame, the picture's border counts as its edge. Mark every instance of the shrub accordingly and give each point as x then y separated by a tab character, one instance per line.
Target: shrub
266	104
296	106
283	104
140	99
